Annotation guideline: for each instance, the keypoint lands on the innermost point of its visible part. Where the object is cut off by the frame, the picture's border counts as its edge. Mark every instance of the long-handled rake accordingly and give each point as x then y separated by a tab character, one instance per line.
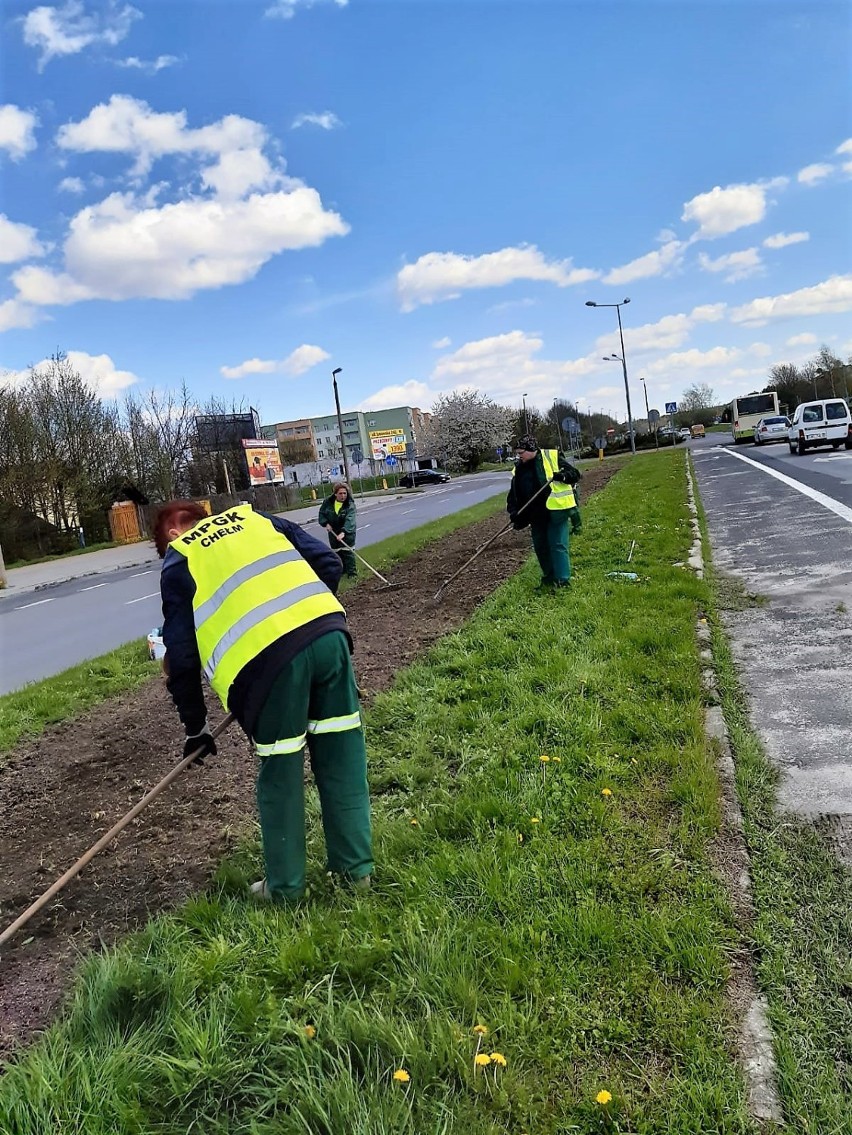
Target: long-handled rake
388	586
486	545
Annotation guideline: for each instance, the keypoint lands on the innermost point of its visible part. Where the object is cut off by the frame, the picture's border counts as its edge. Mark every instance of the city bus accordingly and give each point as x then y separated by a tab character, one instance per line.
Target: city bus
747	411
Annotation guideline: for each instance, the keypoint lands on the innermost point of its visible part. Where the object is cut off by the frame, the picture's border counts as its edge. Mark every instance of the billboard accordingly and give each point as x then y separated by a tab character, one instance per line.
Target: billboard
389	441
263	461
219	432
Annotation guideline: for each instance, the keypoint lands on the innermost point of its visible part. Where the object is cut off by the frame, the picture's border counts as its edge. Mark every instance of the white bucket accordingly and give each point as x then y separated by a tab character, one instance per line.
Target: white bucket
156	646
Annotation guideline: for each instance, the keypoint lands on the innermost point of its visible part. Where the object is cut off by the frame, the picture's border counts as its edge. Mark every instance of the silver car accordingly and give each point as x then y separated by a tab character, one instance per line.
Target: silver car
771	429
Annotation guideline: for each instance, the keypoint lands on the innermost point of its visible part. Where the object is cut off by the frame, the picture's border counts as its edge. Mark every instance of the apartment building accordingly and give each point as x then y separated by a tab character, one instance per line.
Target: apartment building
368	435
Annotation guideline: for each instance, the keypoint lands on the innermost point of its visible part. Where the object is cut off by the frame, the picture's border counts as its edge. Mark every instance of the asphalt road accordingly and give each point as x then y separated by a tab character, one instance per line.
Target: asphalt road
45	632
782	526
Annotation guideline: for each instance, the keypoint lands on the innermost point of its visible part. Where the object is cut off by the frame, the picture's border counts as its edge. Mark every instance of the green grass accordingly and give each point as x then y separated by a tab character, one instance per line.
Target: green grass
803	930
29	711
64	555
593	944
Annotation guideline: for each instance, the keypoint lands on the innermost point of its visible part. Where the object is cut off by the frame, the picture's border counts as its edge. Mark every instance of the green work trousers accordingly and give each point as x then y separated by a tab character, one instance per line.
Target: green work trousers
349	565
550	542
314	701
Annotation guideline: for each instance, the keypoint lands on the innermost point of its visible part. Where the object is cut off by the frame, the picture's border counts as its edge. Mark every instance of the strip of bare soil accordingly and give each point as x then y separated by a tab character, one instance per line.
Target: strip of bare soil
60	793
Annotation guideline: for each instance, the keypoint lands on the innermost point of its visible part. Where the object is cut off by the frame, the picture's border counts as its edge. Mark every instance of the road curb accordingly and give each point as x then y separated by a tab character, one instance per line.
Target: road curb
755	1037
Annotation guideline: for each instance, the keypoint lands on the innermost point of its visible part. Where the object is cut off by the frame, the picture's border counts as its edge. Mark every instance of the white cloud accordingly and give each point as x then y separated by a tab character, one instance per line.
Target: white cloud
326	121
806	339
18	242
830	296
71	185
17	131
15	314
668	332
411	393
99	371
440	344
723	211
737	265
286	9
781	240
686	361
440	276
70	29
148	66
813	174
123	249
297	362
844	147
511	305
654	263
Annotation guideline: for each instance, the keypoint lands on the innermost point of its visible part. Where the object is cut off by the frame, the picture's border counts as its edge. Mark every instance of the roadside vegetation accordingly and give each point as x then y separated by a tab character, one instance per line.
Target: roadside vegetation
803	901
29	711
64	555
545	947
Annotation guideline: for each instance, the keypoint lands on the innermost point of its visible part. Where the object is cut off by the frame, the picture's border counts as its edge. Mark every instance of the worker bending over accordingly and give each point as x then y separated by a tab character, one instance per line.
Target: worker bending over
553	510
338	516
249	600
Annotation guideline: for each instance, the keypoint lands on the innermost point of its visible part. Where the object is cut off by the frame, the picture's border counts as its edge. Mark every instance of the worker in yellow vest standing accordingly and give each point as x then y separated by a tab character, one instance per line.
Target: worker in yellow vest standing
249	601
551	513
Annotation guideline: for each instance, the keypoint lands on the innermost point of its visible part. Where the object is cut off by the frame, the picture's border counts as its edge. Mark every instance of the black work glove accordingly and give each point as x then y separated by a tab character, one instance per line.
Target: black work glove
517	522
202	741
560	476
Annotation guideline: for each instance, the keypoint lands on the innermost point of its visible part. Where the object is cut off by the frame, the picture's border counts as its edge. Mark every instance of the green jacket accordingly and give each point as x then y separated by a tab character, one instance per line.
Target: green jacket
344	521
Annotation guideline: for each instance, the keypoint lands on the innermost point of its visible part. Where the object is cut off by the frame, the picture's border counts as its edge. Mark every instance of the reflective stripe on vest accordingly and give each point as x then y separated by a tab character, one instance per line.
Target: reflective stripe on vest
561	495
252	587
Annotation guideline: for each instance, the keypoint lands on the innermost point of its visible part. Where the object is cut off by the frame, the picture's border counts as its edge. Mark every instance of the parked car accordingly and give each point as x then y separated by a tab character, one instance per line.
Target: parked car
825	421
685	431
424	477
772	428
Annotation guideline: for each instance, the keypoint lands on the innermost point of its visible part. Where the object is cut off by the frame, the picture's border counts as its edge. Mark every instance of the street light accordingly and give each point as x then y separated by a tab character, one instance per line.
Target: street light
618	307
648	414
334	374
526	415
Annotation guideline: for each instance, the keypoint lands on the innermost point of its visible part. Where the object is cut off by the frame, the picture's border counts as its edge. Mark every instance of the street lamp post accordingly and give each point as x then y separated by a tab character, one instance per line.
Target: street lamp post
334	374
526	415
618	307
558	426
648	414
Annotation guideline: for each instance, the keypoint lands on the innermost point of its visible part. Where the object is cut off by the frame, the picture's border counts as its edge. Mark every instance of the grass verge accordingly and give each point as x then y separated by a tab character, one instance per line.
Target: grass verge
28	712
803	903
567	906
63	555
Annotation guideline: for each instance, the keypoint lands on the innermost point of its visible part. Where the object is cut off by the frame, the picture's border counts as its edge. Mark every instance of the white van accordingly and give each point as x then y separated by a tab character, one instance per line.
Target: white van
821	422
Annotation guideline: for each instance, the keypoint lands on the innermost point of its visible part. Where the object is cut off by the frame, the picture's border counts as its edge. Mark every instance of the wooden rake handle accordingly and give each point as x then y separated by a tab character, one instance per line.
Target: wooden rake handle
107	838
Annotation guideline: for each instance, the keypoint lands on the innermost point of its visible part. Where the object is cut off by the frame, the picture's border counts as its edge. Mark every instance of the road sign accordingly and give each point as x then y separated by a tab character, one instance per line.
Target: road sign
410	449
499	452
335	470
671	407
356	454
600	442
571	426
653	416
390	460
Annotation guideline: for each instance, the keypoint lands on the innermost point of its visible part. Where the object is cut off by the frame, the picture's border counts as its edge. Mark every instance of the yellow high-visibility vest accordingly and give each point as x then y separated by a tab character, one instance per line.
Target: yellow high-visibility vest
560	495
251	588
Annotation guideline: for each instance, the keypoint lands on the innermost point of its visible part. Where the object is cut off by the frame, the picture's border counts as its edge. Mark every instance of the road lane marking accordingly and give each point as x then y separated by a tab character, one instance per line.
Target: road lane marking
406	511
363	527
93	586
141	597
841	510
138	573
37	603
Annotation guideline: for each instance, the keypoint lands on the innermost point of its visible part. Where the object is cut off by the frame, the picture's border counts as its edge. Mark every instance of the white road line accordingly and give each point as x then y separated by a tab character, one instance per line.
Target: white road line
362	527
406	511
841	510
138	573
93	587
37	603
470	492
140	599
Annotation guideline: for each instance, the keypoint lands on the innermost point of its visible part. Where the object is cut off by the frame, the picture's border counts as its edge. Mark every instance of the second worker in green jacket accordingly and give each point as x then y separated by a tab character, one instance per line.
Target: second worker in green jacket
338	517
548	511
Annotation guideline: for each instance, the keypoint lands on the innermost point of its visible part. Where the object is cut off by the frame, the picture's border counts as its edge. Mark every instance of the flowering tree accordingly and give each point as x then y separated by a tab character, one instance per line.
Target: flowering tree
466	428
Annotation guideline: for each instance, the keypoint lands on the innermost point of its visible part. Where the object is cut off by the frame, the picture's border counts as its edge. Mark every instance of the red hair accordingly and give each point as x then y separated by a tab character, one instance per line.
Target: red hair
175	514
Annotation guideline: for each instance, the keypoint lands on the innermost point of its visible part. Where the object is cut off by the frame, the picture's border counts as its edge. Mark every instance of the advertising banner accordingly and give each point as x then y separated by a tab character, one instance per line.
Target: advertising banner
264	462
389	441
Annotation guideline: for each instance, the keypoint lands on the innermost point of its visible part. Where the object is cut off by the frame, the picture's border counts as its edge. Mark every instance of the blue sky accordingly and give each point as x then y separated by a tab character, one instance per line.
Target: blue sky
245	195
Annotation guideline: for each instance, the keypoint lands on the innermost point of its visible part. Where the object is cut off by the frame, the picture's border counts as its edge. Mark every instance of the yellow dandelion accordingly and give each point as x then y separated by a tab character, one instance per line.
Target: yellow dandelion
498	1058
482	1060
520	838
603	1097
535	819
401	1076
413	822
544	758
480	1030
310	1032
606	792
556	760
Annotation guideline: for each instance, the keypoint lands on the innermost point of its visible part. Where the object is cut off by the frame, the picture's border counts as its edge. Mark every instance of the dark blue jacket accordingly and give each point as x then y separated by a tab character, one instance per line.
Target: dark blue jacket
254	681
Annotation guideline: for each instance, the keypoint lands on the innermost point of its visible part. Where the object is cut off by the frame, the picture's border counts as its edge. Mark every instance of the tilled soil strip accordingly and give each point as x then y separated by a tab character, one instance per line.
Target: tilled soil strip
61	792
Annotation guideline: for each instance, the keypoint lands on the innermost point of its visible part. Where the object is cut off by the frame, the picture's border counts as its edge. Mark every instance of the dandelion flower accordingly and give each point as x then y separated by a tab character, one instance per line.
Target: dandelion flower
482	1060
606	792
310	1032
535	819
603	1097
401	1076
480	1030
413	822
520	838
498	1058
556	760
544	758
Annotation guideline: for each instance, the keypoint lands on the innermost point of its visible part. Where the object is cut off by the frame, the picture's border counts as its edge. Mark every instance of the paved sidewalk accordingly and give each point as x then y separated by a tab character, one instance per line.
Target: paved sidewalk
37	576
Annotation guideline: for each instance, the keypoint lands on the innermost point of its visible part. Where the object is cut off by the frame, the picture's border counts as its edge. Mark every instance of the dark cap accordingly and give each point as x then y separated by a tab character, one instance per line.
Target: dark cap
528	443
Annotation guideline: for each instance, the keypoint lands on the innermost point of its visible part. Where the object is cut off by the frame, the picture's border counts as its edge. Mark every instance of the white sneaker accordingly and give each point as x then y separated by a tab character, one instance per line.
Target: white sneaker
260	890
